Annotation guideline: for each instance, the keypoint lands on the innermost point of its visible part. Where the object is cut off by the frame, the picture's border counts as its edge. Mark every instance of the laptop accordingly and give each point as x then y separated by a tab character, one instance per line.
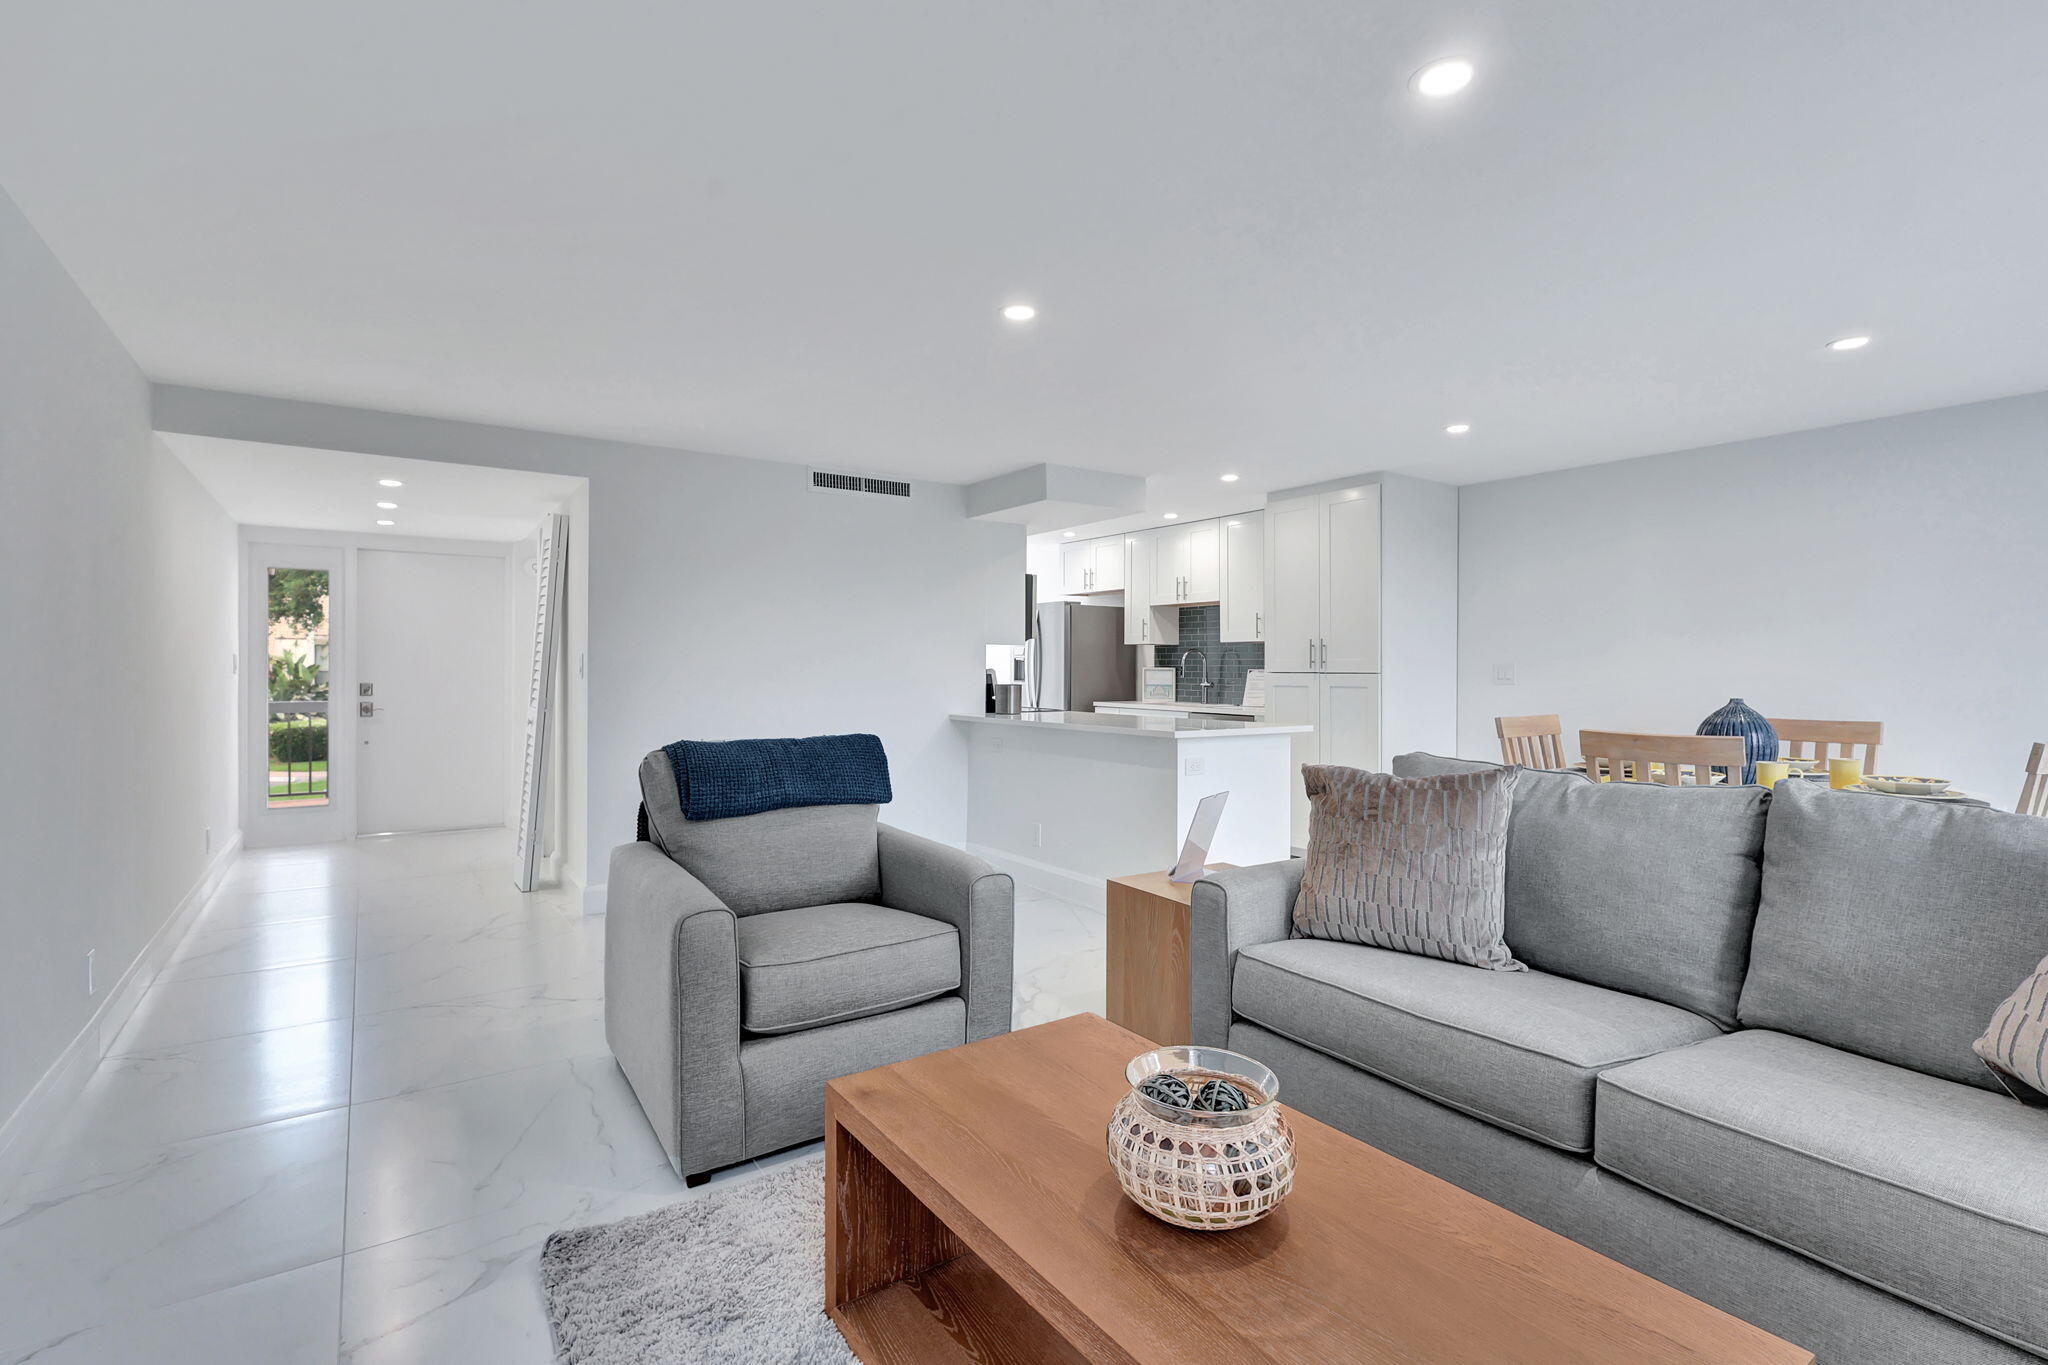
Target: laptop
1194	851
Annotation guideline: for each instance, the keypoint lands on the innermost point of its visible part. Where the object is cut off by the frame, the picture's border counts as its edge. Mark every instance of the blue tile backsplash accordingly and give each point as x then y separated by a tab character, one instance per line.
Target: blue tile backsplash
1228	663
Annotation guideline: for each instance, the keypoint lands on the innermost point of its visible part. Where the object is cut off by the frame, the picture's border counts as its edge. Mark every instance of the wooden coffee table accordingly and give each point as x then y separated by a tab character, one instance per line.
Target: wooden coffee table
971	1215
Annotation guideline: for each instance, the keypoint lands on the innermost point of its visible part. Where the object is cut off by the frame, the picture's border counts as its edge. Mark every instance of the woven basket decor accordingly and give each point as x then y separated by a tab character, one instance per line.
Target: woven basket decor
1204	1169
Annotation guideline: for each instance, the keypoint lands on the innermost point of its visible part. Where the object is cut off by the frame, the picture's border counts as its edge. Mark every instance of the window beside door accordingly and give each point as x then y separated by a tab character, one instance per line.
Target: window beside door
298	686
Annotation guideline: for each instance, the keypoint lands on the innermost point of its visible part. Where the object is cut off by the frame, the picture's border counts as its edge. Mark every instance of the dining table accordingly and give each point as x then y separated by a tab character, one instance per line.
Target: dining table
1687	777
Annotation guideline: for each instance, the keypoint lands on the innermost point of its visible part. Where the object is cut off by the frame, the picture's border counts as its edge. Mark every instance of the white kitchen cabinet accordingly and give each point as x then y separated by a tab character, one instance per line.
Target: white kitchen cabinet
1350	632
1145	624
1190	564
1294	584
1106	564
1293	699
1169	564
1077	559
1323	582
1205	562
1344	708
1243	616
1092	566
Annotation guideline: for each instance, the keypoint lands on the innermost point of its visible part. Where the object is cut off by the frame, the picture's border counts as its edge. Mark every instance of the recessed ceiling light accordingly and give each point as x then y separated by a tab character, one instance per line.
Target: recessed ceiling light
387	507
1230	478
1457	428
383	521
392	483
1848	343
1441	78
1068	534
1019	312
1170	516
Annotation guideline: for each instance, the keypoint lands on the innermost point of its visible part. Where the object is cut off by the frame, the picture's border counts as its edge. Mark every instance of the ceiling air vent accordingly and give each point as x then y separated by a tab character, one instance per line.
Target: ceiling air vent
825	481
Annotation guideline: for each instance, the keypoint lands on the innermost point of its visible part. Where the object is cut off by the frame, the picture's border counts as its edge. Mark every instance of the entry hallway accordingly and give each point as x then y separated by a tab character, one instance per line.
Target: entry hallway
367	1085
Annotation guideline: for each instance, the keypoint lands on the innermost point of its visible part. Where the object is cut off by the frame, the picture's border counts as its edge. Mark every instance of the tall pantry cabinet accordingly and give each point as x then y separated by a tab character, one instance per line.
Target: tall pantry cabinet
1361	622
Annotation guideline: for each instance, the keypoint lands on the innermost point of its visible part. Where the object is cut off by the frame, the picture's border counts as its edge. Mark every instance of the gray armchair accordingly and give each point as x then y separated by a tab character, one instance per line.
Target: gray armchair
748	961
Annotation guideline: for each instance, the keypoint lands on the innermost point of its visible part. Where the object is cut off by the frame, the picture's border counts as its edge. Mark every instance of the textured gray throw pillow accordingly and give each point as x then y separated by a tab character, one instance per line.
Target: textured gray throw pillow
2015	1047
1415	864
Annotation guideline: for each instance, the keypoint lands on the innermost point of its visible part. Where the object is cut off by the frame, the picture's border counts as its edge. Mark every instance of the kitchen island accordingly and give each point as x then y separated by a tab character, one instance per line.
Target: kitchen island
1064	800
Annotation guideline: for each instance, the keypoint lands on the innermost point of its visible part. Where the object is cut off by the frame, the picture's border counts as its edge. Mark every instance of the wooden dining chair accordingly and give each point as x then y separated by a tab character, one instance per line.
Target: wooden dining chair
1627	757
1531	741
2034	792
1825	739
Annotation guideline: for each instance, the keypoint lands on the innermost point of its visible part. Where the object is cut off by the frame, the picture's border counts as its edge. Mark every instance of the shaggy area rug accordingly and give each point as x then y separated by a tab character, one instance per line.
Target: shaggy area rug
738	1275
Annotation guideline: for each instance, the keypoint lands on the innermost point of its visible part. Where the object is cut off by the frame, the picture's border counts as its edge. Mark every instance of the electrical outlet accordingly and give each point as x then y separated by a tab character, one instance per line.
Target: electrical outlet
1195	767
89	988
1503	675
1038	836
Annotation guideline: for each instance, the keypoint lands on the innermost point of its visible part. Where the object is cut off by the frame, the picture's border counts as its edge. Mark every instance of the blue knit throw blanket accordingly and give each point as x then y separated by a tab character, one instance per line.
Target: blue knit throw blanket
719	779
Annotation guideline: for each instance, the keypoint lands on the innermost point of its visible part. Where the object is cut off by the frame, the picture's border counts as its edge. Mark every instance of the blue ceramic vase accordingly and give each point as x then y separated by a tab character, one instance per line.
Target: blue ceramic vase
1756	732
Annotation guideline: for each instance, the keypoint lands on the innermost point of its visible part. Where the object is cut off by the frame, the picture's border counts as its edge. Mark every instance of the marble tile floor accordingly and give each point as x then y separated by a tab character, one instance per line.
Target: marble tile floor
361	1092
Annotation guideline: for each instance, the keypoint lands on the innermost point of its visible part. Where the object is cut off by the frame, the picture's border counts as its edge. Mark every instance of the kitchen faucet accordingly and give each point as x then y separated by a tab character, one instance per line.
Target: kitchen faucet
1205	668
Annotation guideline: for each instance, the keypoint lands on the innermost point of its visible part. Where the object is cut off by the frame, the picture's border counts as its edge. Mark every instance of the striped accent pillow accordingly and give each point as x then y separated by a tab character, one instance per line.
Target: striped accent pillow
2015	1047
1415	864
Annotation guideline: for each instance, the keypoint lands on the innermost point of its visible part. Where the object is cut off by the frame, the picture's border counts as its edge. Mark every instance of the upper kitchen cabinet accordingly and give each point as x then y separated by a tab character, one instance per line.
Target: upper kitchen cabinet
1189	569
1144	623
1106	564
1243	538
1088	566
1323	582
1077	559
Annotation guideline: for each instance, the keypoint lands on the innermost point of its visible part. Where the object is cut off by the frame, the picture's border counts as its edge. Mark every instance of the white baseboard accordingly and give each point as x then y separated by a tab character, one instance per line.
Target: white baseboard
1065	883
594	898
51	1096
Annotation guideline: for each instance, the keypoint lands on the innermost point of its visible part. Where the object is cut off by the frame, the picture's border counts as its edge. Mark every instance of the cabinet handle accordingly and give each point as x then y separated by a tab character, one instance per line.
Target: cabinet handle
1258	625
1325	660
1311	651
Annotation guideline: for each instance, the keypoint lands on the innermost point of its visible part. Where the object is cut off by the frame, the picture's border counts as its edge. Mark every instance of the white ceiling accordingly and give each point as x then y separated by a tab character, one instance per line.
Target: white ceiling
783	229
337	490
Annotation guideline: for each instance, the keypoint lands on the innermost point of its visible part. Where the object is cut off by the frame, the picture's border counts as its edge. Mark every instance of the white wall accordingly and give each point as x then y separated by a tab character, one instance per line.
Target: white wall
727	599
116	702
571	828
1890	570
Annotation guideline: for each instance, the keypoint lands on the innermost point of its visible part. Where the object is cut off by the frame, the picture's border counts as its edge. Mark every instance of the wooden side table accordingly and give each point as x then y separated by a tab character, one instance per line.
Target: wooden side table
1148	955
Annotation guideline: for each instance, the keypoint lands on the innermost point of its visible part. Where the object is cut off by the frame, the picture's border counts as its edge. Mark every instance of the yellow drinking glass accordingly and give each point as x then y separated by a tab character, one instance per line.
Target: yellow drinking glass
1845	772
1771	771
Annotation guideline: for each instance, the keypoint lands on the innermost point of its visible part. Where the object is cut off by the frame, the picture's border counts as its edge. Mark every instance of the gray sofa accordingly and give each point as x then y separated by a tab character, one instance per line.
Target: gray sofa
1740	1061
748	961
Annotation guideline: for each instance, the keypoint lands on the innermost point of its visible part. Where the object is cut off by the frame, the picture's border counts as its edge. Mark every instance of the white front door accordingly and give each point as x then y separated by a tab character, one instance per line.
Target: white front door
435	740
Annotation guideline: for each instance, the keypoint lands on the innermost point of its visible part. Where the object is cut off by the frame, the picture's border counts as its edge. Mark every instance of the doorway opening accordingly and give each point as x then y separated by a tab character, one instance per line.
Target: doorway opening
390	608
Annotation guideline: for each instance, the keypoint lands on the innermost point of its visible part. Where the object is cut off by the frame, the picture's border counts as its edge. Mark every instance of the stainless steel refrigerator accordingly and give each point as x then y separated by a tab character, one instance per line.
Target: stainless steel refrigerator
1076	657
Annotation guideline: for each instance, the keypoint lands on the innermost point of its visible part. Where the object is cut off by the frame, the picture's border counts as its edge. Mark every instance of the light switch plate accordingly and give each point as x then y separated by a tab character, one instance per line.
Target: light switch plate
1503	675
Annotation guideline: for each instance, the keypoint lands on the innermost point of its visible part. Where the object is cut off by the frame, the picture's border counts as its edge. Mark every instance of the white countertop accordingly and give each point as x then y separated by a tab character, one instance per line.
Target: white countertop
1161	726
1198	707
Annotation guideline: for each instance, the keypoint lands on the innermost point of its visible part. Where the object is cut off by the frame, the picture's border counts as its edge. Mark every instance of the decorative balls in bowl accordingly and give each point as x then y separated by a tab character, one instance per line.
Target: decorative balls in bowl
1200	1142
